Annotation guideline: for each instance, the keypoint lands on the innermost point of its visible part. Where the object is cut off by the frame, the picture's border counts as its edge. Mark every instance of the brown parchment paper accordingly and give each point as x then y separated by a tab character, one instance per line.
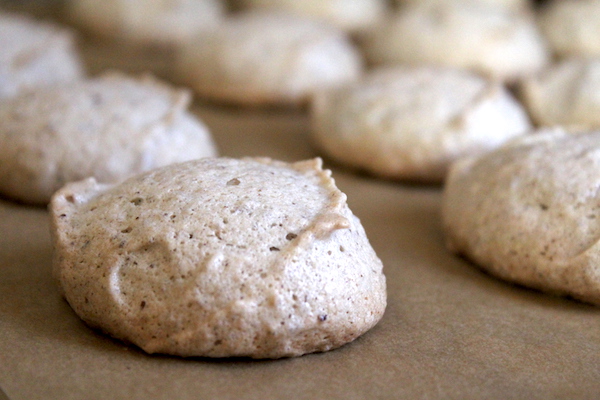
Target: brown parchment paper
450	331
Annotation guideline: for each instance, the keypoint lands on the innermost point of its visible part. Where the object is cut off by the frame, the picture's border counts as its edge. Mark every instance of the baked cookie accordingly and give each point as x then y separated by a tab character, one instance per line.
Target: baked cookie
258	58
507	4
350	15
411	123
109	128
34	54
528	212
572	28
219	257
565	94
162	22
491	41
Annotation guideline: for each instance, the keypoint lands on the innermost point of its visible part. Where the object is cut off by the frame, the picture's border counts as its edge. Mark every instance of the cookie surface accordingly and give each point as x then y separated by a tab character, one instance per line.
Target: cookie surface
410	123
219	257
269	58
528	212
508	4
109	128
147	21
34	54
572	28
351	15
492	41
565	94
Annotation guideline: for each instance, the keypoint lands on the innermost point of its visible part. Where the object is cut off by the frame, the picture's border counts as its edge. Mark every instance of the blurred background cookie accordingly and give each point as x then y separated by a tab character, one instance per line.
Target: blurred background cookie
146	22
258	58
411	123
350	15
507	4
109	128
495	42
572	27
566	94
528	212
34	54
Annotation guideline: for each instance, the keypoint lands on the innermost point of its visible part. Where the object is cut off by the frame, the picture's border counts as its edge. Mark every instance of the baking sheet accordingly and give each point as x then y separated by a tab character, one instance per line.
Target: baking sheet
450	331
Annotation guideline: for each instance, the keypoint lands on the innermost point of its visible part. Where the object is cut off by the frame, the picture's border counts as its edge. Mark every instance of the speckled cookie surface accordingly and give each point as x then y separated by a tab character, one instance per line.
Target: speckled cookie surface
492	41
572	28
109	128
529	212
163	22
34	54
269	58
565	94
219	257
351	15
411	123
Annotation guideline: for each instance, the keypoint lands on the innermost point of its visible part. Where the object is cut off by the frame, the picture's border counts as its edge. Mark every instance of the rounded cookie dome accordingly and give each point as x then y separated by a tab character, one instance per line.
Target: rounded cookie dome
411	123
35	54
258	58
565	94
147	21
506	4
528	212
495	42
219	257
571	27
350	15
109	127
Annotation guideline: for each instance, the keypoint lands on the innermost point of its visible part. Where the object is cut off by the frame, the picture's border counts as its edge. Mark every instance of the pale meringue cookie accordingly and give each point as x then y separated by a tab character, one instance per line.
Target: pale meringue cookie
109	128
35	54
506	4
572	27
349	15
258	58
411	122
219	257
149	22
528	212
565	94
497	43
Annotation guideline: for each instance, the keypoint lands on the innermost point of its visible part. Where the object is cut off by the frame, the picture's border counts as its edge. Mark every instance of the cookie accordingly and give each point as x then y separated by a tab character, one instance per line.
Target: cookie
350	15
219	257
34	54
565	94
507	4
268	58
147	22
411	122
109	127
572	28
492	41
528	212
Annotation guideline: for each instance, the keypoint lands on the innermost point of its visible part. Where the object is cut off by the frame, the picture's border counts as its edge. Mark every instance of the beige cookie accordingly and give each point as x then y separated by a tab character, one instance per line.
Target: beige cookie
528	213
147	21
411	123
109	128
219	257
260	58
34	54
350	15
565	94
492	41
507	4
572	27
